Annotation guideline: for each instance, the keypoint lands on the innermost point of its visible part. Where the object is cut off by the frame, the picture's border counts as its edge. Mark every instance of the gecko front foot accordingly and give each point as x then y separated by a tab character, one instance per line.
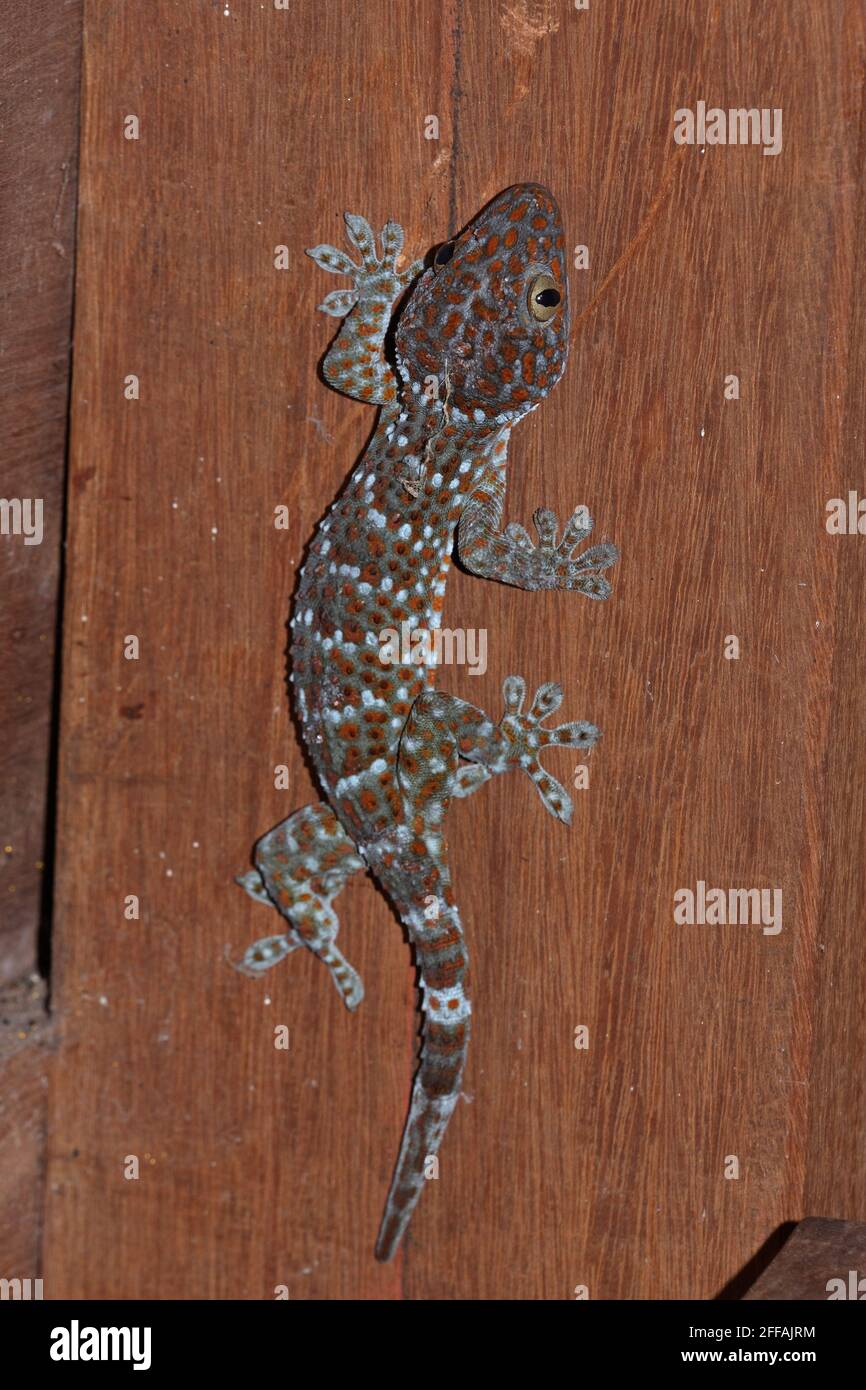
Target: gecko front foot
527	738
558	560
375	278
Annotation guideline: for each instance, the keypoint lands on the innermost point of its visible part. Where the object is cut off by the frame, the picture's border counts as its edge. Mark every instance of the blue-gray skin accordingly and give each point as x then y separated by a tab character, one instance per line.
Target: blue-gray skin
482	340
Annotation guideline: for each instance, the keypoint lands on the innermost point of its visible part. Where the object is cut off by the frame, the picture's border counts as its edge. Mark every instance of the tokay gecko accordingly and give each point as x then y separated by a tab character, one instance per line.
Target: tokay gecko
481	341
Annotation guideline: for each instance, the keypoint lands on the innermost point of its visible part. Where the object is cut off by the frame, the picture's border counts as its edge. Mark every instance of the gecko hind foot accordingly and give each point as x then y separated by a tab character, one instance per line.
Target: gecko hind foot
528	737
301	866
378	277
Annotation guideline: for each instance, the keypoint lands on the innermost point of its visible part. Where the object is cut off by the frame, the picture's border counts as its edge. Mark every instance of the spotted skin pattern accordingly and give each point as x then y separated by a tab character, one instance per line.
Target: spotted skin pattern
481	341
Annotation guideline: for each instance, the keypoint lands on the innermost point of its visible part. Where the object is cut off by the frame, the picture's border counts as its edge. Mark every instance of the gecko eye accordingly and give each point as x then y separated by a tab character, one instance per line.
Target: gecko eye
444	254
543	298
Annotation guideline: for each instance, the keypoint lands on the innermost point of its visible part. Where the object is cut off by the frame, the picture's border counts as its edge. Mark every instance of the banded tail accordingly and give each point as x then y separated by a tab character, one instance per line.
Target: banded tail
443	965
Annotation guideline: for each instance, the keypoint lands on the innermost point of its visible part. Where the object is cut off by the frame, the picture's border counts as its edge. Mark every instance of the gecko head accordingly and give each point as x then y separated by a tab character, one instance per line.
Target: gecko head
489	319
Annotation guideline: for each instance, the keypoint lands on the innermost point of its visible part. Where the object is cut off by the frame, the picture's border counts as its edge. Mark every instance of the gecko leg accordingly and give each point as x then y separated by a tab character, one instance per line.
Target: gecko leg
301	865
442	729
355	362
439	731
510	555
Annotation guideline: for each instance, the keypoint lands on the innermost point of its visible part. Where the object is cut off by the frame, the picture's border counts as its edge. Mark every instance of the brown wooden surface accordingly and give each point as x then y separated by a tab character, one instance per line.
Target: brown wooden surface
40	45
25	1060
602	1168
817	1253
40	53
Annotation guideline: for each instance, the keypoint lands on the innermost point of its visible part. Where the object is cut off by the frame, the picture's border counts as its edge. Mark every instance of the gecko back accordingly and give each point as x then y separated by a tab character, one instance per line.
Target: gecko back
480	343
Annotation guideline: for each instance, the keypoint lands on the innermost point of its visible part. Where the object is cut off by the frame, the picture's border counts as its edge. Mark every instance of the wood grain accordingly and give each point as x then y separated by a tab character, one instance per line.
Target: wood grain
25	1062
602	1168
40	45
817	1253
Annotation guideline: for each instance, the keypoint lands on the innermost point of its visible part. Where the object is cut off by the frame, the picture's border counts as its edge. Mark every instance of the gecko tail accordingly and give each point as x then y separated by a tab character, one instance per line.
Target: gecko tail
427	1122
435	1093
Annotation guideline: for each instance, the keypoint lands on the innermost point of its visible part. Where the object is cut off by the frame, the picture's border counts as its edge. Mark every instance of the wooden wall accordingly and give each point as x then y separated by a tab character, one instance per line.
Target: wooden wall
40	61
40	54
605	1167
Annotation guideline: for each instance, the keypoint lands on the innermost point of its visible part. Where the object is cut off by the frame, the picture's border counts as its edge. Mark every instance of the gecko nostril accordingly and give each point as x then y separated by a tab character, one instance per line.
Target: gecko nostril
444	254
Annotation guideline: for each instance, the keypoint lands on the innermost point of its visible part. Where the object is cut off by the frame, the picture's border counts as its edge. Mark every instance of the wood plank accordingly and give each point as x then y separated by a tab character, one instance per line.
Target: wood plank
25	1061
603	1168
816	1264
40	46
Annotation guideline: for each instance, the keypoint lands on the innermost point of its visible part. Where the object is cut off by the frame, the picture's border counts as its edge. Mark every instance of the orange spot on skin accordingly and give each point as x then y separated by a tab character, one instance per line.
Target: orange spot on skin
517	213
510	237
